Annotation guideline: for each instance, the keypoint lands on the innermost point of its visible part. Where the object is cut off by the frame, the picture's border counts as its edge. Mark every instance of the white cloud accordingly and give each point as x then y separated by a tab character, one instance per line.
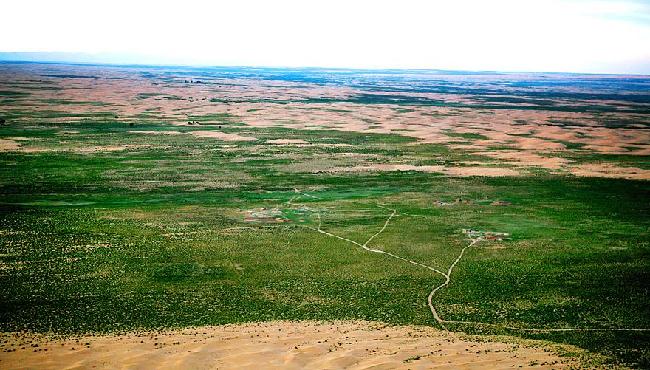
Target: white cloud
550	35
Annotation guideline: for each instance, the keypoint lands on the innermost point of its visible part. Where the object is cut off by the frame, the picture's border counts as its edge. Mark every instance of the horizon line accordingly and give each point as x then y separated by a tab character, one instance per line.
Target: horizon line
63	61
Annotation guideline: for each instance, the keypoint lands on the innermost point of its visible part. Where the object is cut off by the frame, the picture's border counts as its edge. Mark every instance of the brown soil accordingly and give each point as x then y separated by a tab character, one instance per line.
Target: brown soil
287	141
609	170
450	171
8	145
156	132
527	158
523	138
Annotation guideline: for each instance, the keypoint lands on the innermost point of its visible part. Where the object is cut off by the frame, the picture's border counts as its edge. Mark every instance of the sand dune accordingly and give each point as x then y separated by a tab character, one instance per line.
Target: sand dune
287	345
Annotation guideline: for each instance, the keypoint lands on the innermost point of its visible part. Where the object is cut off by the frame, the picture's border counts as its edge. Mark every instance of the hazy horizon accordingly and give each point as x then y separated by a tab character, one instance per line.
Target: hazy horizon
126	61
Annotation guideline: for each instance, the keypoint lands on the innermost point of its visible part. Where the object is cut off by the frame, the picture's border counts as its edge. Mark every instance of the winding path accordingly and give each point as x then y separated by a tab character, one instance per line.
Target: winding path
446	275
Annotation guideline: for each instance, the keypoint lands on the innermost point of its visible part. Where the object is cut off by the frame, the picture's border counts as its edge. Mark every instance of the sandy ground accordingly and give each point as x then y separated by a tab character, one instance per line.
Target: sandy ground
286	345
517	137
611	171
449	171
8	145
286	141
148	132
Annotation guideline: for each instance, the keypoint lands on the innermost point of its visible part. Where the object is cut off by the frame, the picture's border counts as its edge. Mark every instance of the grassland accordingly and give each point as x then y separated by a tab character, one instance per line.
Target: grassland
112	225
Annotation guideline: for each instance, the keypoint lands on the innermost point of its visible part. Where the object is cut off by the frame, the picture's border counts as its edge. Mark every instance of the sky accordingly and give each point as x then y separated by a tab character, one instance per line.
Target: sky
592	36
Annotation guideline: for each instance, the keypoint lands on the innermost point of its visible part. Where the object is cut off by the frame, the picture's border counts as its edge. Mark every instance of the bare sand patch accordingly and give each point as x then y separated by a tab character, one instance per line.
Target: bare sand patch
223	136
526	159
450	171
610	170
38	149
387	167
107	148
7	145
398	167
286	345
148	132
286	141
265	215
481	171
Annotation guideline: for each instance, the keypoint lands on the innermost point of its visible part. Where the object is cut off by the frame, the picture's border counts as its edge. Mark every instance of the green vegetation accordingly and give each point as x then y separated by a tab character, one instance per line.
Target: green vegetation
142	96
104	229
13	94
466	135
151	237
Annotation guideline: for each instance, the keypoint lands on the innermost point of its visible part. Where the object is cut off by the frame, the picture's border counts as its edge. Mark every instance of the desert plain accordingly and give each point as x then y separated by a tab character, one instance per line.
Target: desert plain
179	217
